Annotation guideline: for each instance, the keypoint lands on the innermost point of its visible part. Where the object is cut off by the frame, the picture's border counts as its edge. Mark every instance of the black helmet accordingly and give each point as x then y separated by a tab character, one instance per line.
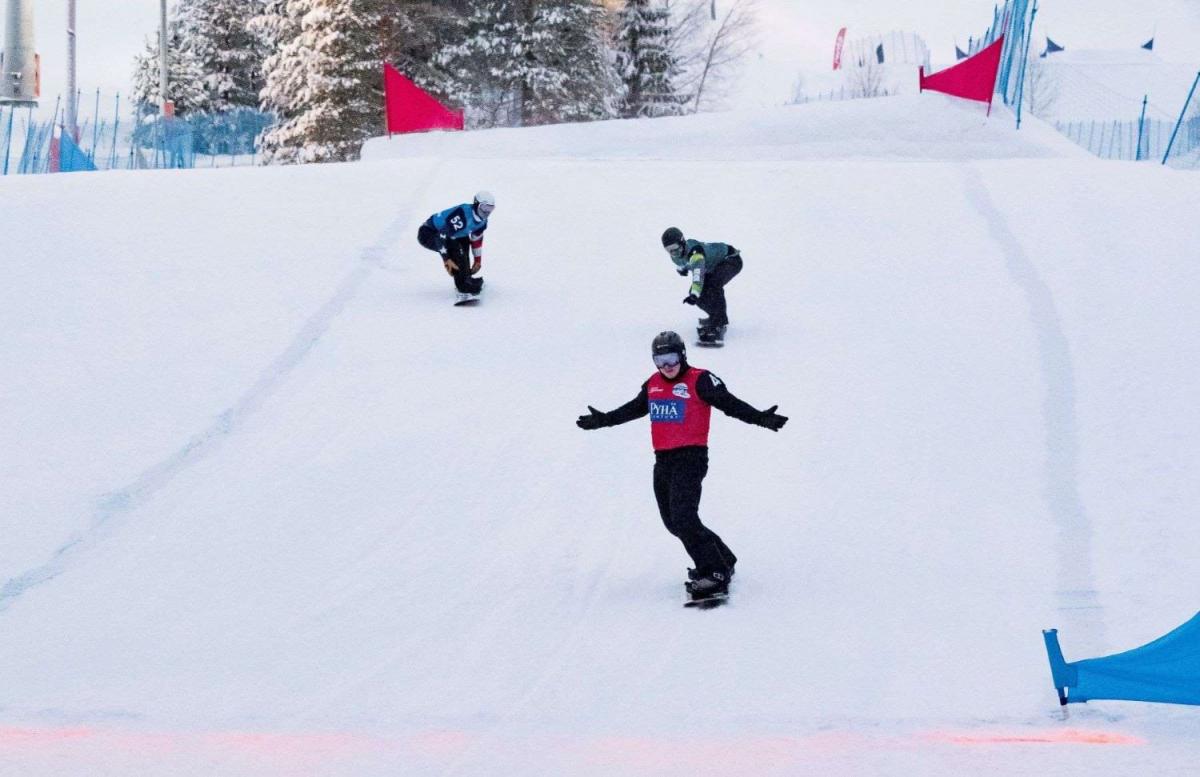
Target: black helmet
668	342
673	236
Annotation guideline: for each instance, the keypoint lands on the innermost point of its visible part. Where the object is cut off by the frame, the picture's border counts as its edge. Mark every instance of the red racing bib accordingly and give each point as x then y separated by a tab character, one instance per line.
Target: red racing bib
678	416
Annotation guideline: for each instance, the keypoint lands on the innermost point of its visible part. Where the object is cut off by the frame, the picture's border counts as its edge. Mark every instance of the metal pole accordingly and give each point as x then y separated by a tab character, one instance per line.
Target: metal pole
1183	112
162	53
71	115
96	127
1024	62
19	71
112	163
8	137
1137	157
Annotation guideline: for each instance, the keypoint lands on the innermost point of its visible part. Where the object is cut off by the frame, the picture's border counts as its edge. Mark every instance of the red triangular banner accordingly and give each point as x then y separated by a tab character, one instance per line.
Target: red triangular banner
411	109
973	79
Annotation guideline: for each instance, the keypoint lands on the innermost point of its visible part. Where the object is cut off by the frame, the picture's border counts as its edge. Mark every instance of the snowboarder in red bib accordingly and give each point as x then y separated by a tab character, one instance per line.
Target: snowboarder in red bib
679	399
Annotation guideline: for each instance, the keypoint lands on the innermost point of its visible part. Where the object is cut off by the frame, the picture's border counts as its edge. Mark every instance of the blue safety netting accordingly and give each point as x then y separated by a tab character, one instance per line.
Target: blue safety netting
1165	670
71	156
109	138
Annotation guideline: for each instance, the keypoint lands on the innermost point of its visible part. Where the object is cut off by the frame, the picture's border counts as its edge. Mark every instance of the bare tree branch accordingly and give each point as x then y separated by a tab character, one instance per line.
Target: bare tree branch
733	38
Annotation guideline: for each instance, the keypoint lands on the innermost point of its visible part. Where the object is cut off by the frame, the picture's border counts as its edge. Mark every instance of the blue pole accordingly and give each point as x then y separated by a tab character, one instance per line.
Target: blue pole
1024	62
96	128
29	128
1181	115
8	138
112	155
53	122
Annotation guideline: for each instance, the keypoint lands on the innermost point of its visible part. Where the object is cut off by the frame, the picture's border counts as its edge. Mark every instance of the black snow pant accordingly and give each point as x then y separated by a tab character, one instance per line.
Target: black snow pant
678	474
458	250
712	296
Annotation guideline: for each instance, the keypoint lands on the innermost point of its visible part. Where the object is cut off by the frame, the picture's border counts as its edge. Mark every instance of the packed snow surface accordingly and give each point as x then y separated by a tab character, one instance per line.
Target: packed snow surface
271	505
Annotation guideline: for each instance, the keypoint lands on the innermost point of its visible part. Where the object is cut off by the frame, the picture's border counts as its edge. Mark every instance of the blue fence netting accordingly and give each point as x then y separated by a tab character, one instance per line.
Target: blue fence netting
108	140
1119	140
1014	21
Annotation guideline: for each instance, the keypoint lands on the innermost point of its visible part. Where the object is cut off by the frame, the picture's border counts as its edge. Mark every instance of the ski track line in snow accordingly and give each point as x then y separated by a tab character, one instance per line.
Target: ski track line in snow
126	499
1076	594
552	669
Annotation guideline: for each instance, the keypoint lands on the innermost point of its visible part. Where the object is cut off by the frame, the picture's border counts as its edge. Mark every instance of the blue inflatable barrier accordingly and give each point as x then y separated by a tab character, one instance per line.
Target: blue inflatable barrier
1166	670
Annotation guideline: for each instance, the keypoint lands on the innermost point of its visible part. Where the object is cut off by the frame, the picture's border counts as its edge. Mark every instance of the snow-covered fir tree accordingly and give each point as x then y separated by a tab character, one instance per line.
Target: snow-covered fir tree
285	74
230	55
645	61
185	76
417	35
324	79
535	62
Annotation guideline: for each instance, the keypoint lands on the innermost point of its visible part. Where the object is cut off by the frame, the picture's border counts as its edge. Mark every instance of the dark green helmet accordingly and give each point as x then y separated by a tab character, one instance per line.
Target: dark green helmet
672	237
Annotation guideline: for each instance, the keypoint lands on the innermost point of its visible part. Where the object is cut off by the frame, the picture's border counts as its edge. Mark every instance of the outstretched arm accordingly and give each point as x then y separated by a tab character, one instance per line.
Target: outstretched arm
631	410
714	391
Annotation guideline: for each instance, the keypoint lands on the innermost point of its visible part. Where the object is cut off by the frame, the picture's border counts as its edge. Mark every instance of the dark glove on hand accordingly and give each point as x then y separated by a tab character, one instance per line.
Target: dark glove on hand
682	271
691	299
593	420
771	420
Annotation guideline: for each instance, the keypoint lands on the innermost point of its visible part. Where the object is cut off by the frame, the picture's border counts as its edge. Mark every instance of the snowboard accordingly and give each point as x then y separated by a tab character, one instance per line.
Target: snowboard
715	342
705	602
462	299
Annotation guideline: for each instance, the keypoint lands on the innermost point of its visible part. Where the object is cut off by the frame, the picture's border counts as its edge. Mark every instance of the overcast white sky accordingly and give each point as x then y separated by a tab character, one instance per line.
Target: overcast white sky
796	34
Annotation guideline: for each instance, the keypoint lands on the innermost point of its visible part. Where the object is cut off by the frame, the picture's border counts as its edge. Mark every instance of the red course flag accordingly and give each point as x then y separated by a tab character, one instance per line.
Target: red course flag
837	48
973	79
411	109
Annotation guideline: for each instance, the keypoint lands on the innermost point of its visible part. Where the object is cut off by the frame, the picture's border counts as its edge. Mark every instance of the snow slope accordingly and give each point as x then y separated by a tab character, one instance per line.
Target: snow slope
272	506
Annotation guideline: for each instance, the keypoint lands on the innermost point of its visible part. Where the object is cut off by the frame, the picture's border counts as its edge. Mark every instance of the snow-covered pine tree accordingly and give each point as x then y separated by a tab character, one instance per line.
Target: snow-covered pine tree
185	82
326	80
535	62
230	55
646	65
344	99
285	77
417	33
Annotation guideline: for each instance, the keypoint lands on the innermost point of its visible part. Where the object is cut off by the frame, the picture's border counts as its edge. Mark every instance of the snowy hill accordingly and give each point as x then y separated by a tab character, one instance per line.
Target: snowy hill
272	506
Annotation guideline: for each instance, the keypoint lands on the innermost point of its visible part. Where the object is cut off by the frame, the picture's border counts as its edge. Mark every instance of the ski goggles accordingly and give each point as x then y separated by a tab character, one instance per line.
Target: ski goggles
675	250
485	209
664	360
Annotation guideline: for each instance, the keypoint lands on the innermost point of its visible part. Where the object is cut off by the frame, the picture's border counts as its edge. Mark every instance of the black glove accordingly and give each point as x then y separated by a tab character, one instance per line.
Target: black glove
682	271
593	420
691	299
771	420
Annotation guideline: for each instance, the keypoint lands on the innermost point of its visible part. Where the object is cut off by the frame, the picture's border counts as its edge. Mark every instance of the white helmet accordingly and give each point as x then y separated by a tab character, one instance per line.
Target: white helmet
485	203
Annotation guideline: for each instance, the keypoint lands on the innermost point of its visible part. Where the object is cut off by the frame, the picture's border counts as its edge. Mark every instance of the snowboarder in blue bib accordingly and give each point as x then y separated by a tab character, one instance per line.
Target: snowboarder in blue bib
711	266
456	234
679	399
